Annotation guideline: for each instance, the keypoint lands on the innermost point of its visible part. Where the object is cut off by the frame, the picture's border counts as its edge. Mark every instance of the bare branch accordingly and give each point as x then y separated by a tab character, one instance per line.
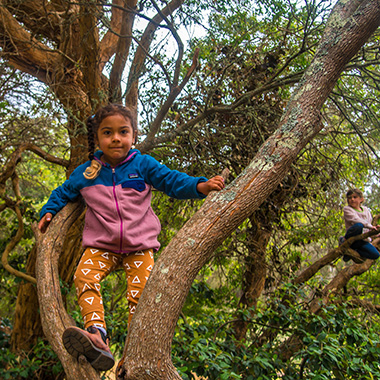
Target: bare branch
148	144
14	241
140	55
24	51
122	50
179	43
155	126
39	16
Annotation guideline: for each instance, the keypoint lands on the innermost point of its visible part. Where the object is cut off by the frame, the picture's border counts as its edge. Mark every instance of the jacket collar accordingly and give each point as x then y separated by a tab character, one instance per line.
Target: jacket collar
131	154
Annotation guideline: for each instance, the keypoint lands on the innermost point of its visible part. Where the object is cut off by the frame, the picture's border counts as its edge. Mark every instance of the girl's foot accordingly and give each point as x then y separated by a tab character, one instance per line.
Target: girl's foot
91	344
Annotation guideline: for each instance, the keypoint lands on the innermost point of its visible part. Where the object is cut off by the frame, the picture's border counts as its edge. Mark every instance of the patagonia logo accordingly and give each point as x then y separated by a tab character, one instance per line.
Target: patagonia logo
136	184
133	176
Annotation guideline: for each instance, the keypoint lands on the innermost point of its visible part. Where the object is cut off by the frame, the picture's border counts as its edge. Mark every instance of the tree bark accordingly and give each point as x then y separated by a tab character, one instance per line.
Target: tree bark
27	324
148	345
54	317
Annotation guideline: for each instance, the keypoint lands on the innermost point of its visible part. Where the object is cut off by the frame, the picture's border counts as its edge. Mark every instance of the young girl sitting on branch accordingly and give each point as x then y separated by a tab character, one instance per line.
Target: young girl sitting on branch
358	220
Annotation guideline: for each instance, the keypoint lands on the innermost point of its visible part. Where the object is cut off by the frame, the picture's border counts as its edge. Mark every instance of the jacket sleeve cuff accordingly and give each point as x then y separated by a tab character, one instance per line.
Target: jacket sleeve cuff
200	180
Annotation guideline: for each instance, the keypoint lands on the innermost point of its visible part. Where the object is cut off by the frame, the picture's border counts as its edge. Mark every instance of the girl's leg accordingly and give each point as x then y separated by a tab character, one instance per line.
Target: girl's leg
92	342
93	267
365	249
354	230
137	267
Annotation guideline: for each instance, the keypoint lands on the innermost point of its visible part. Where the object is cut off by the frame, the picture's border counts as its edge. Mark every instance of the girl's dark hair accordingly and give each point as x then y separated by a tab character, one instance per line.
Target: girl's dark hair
354	191
93	123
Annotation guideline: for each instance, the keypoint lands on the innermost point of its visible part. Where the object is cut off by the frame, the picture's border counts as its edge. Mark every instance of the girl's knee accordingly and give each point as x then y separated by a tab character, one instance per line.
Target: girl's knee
354	230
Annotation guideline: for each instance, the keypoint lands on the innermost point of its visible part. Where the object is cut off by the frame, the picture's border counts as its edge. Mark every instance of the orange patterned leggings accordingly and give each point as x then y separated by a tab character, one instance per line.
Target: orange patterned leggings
94	266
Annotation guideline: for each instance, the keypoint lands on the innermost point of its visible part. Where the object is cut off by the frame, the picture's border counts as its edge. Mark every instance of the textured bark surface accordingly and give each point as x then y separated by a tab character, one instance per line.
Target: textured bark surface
27	324
350	25
54	317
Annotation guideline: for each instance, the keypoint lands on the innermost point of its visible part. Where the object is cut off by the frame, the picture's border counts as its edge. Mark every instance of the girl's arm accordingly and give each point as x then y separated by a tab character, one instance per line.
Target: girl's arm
173	183
68	191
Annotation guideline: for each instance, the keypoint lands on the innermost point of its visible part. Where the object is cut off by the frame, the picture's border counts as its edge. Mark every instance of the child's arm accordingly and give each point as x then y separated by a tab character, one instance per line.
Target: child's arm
44	222
215	183
68	191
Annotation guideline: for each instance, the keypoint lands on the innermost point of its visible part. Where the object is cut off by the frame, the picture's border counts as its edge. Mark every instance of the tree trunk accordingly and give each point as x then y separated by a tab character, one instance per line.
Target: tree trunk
53	314
148	346
27	324
255	271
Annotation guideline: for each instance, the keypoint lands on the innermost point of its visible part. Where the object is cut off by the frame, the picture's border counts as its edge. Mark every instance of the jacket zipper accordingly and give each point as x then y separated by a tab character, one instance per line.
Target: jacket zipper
117	207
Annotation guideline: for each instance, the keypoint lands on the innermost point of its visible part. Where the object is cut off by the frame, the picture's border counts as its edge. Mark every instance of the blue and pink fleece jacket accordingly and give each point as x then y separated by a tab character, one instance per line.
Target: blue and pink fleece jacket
119	215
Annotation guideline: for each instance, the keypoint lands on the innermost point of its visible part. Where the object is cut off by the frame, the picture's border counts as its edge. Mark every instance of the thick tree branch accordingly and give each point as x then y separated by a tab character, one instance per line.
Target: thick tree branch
332	255
22	50
311	270
37	15
122	51
89	42
53	314
109	42
295	343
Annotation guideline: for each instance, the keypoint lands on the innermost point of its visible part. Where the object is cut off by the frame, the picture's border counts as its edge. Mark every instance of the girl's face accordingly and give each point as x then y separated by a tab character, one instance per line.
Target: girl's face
115	137
355	200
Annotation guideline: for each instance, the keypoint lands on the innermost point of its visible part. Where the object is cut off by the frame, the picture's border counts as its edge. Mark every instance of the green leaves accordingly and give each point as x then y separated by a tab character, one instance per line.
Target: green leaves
41	360
336	346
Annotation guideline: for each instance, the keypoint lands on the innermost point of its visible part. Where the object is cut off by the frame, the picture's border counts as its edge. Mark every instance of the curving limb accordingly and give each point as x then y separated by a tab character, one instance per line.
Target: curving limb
53	314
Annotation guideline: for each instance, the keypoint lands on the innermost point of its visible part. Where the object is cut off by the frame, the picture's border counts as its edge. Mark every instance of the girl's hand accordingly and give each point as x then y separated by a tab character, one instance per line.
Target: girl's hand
215	183
44	222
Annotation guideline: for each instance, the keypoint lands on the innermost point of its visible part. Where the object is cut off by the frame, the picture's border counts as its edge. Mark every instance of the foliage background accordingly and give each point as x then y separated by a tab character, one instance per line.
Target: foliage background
244	45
